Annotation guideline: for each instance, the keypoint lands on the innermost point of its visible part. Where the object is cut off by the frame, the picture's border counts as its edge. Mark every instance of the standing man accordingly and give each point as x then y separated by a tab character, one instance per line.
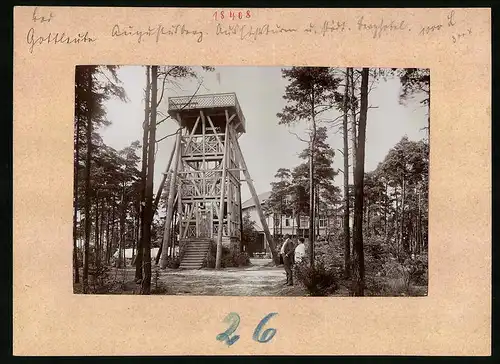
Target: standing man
287	252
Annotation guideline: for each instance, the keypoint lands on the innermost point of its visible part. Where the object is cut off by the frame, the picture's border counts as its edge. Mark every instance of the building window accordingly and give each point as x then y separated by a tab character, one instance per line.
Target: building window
322	223
287	222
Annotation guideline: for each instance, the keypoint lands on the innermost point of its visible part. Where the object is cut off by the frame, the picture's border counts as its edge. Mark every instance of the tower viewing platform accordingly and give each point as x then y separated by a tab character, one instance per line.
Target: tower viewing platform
186	110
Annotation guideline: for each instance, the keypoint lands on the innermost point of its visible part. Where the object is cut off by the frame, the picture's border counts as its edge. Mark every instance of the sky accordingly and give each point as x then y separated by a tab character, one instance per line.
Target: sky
266	145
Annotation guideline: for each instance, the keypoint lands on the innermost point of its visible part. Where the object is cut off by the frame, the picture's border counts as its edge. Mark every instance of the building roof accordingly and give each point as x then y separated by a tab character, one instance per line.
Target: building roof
263	197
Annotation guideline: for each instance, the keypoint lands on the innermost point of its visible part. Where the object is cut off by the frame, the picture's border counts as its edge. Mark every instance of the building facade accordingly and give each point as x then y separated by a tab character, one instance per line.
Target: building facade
283	225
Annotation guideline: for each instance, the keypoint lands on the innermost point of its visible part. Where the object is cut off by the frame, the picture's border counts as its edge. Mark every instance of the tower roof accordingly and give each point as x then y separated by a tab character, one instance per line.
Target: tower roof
214	105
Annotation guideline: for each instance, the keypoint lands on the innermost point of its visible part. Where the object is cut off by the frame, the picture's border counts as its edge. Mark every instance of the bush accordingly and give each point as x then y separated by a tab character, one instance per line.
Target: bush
402	275
241	259
395	287
374	286
376	251
102	282
158	287
319	281
234	259
376	255
209	261
226	259
418	270
173	262
229	258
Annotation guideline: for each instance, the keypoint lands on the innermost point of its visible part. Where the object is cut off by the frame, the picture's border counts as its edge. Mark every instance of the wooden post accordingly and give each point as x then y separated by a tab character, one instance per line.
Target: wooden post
251	187
179	218
198	221
204	157
211	222
188	220
229	192
218	256
171	197
164	179
158	254
239	209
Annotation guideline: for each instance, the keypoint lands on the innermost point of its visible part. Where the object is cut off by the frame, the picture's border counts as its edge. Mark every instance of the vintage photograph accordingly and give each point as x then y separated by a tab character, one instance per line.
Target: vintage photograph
251	181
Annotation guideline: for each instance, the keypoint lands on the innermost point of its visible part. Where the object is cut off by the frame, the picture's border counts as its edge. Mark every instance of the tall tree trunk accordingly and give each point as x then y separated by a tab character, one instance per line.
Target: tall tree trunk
96	242
107	234
101	231
88	222
137	226
396	221
386	197
419	220
347	237
274	224
403	240
312	180
368	220
144	167
281	216
297	217
429	116
311	197
359	264
318	216
75	202
113	217
146	247
354	119
121	242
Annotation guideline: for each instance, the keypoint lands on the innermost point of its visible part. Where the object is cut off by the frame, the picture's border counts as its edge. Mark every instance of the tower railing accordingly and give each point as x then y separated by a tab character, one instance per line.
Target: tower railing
207	101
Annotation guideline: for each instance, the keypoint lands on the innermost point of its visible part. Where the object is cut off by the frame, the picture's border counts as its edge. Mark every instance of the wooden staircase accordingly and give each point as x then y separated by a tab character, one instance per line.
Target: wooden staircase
195	253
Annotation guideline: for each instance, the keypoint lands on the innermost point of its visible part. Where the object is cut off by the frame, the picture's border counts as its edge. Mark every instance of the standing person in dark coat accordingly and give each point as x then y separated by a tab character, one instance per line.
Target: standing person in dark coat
287	252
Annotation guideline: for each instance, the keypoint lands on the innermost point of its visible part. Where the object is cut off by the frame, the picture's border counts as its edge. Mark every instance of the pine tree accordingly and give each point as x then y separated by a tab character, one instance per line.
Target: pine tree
310	91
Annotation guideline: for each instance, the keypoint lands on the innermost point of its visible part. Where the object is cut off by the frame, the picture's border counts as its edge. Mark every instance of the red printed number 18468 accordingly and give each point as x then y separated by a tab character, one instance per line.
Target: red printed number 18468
231	15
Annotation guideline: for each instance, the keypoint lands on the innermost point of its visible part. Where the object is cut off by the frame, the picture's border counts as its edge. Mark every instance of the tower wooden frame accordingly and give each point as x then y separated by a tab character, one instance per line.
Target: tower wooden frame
211	125
206	177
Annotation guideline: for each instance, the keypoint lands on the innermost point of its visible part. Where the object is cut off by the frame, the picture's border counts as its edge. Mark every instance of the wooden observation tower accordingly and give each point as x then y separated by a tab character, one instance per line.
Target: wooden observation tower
205	183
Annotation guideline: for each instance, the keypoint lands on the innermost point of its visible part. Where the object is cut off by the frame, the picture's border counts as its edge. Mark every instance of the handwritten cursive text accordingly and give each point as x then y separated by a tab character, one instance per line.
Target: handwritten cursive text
34	40
381	28
157	32
451	18
326	27
41	18
456	37
251	32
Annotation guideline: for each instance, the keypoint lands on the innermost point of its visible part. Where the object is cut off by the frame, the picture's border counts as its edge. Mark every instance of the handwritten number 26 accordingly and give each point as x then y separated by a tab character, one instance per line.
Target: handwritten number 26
268	334
234	319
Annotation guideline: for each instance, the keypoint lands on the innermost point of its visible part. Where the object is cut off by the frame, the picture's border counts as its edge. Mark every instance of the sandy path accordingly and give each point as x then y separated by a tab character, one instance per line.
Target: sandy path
259	279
